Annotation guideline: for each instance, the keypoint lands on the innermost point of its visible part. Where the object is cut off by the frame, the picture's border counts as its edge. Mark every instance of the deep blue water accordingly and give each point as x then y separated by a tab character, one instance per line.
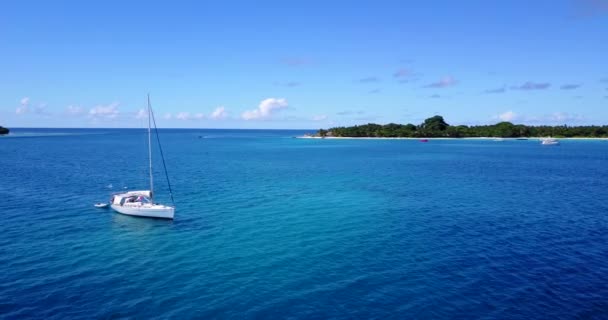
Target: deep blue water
273	227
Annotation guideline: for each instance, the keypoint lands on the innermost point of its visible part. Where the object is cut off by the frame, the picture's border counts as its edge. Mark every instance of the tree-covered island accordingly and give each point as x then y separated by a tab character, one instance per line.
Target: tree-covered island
437	127
4	130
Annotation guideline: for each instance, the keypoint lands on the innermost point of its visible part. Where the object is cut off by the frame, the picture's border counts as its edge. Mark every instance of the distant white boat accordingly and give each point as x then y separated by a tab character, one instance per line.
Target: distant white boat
101	205
141	203
549	142
499	139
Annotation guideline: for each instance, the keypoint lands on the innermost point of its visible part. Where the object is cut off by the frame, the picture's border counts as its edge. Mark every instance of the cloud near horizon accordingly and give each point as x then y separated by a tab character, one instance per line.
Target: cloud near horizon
554	118
219	113
105	111
266	109
24	106
350	112
186	116
508	116
74	110
141	114
562	117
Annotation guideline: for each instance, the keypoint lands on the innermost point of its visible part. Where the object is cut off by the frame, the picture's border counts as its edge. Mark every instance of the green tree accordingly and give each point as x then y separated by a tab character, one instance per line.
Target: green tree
437	127
435	123
505	130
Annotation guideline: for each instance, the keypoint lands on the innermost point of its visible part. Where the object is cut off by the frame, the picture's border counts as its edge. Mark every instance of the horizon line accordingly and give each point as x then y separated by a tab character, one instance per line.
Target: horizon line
172	128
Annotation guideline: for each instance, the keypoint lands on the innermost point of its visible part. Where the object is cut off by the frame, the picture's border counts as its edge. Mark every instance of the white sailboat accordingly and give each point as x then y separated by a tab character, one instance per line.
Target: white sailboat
549	141
141	202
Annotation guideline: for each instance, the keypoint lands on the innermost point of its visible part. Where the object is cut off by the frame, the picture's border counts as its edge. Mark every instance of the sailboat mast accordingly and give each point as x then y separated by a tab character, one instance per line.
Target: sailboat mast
150	150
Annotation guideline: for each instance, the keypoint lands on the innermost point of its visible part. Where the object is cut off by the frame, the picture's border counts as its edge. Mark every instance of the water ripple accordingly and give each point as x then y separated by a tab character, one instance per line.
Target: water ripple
285	228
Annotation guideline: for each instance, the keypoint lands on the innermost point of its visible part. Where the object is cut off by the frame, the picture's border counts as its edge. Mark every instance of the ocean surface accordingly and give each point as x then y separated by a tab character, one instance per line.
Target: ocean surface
271	227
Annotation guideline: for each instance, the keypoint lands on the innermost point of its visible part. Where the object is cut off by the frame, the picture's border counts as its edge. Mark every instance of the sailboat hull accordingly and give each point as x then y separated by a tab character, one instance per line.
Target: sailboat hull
149	211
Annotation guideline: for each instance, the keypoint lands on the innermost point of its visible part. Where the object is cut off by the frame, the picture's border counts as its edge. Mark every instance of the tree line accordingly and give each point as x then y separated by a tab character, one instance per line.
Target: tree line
437	127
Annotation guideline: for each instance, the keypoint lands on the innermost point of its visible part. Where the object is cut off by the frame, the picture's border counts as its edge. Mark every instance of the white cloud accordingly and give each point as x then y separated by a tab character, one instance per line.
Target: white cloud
105	111
74	110
183	116
556	118
319	117
188	116
219	113
24	107
21	110
141	114
41	109
563	117
508	116
266	108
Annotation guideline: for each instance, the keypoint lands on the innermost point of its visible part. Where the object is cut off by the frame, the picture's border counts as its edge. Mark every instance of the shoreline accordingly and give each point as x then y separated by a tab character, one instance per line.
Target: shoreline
446	138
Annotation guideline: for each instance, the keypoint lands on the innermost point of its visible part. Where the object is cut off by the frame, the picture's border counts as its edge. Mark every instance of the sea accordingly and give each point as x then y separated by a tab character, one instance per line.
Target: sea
272	227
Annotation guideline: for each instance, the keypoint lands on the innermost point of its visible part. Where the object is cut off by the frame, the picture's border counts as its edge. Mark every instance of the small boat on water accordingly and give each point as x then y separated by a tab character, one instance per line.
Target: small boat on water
499	139
424	140
101	205
549	142
141	202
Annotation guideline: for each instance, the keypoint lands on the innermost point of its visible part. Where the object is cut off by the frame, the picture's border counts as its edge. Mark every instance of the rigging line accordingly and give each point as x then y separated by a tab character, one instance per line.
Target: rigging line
150	154
143	170
161	155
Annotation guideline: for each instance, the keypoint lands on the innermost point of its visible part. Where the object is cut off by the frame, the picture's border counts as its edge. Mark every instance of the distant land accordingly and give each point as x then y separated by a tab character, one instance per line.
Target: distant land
436	127
4	130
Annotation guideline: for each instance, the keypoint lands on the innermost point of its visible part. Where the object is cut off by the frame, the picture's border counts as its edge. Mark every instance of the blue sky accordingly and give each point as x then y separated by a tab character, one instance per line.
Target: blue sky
306	64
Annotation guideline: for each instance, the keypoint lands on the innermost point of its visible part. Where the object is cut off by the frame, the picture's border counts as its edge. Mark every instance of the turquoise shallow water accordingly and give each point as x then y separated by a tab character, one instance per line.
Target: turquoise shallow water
273	227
